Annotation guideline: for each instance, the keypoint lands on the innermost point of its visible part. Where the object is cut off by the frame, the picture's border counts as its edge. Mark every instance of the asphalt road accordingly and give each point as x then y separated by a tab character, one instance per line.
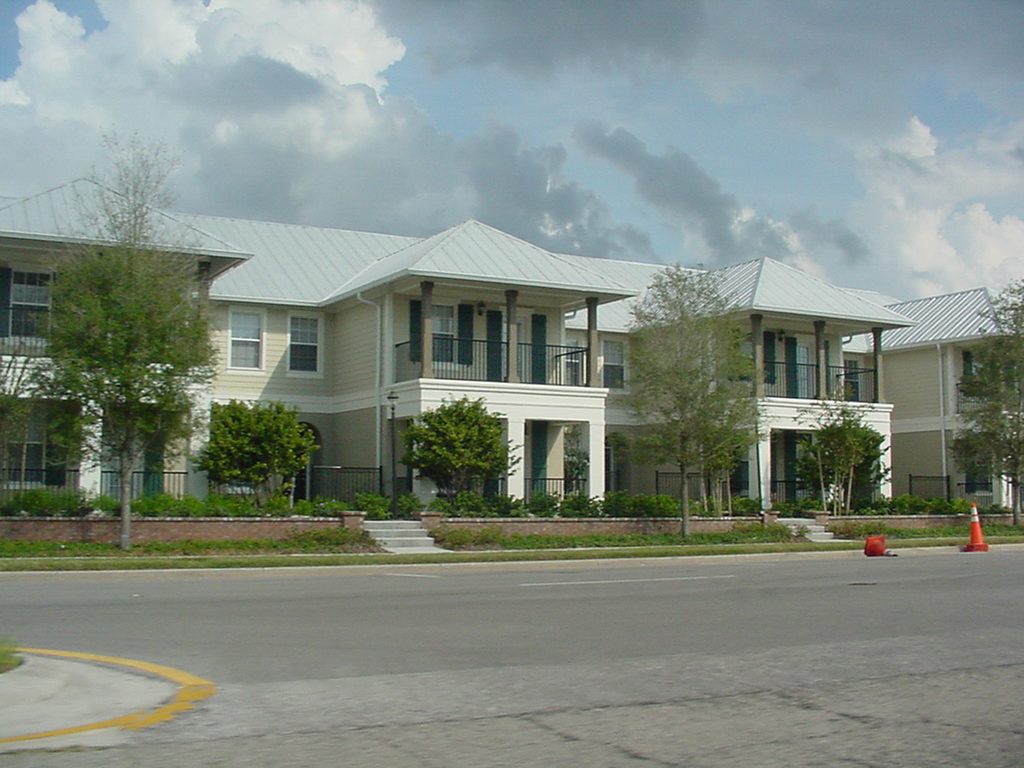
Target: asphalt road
795	660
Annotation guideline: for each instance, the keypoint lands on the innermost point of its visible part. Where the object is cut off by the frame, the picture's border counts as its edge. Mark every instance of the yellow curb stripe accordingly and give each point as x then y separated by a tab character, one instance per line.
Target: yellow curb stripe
193	689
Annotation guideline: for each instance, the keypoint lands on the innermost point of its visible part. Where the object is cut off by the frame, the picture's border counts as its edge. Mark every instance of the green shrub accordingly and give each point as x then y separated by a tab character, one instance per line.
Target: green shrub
165	505
221	505
542	505
338	537
643	505
408	504
505	506
376	506
42	501
454	537
616	504
471	504
744	506
579	505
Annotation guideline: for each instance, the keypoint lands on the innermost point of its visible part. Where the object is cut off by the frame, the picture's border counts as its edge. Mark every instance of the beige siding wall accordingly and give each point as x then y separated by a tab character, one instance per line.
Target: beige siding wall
914	453
353	348
912	384
272	380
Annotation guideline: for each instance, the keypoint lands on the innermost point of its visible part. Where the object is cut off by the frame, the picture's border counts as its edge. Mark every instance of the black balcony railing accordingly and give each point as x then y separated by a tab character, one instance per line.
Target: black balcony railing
800	380
558	487
482	360
52	478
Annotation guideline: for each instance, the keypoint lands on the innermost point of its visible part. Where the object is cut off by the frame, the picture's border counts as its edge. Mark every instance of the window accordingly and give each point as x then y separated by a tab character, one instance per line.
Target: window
574	364
304	344
30	303
444	333
246	337
614	370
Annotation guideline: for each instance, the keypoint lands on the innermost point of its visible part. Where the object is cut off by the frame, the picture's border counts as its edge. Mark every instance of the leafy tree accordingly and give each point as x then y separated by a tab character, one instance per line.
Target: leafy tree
457	443
260	446
842	453
129	342
992	438
689	377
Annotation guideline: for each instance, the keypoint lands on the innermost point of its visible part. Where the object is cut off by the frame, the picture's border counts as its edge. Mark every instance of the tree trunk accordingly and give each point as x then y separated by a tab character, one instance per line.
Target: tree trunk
684	503
126	504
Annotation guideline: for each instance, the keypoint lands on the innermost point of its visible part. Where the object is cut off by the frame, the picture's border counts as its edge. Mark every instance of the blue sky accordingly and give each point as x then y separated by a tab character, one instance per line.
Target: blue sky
876	143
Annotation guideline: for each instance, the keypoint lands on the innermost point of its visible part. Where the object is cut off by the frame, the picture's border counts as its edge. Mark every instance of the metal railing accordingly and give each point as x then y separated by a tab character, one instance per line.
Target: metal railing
482	360
558	487
343	483
800	380
16	480
145	484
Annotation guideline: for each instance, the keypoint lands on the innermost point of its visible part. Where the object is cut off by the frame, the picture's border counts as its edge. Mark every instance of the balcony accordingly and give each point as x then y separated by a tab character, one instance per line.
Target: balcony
481	360
799	380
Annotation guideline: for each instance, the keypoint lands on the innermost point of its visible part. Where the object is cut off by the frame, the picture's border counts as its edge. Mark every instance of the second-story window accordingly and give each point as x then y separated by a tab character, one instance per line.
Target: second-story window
30	303
444	333
304	344
614	369
246	339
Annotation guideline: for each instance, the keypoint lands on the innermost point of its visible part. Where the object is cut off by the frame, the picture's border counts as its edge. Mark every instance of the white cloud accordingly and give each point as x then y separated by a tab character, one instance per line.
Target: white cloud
927	206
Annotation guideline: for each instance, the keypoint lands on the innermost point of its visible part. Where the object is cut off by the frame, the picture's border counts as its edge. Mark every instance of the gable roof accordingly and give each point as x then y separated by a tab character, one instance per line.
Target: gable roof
476	252
961	316
60	216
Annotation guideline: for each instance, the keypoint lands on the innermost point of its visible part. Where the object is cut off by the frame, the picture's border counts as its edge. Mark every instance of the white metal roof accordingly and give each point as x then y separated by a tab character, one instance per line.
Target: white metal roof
62	215
294	264
769	286
960	316
473	251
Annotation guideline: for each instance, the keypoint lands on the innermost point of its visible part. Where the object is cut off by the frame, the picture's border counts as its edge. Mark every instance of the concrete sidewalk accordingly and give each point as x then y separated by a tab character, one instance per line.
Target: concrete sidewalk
52	703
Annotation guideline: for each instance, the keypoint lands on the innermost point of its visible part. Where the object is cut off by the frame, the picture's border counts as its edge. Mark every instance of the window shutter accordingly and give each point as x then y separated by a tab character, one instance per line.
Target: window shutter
769	357
538	348
495	362
5	301
464	333
415	331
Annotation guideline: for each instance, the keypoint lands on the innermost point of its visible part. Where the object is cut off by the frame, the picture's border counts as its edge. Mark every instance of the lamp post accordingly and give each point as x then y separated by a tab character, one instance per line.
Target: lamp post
392	402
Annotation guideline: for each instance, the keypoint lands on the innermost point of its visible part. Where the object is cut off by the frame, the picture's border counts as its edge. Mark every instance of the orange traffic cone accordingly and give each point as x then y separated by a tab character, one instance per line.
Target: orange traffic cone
977	541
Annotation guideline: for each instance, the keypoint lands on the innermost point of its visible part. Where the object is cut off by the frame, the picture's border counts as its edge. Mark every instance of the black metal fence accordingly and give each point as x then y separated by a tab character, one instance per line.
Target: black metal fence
942	487
343	483
558	487
17	481
145	484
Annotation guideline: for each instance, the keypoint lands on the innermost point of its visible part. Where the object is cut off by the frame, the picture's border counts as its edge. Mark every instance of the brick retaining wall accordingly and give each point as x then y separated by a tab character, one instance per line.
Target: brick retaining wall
149	529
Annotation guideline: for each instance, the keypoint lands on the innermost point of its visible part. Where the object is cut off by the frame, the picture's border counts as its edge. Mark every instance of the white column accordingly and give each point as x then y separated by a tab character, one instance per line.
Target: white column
595	447
90	471
517	448
762	473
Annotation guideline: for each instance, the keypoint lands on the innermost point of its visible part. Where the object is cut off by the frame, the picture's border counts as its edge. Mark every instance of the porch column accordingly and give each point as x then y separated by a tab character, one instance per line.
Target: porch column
427	329
512	359
885	464
876	354
516	434
757	341
592	342
820	361
595	450
762	480
90	470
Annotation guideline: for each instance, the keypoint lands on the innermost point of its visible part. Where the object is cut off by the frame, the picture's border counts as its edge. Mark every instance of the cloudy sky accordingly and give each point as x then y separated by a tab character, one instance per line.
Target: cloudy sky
877	143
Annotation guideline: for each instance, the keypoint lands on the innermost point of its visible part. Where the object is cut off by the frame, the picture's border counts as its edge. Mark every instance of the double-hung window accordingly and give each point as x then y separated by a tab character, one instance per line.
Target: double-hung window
444	333
30	303
614	369
246	339
304	344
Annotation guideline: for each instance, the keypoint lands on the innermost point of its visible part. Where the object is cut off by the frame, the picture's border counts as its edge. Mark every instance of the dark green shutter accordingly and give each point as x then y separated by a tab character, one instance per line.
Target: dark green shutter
538	349
792	380
769	357
539	455
495	368
415	330
5	301
464	334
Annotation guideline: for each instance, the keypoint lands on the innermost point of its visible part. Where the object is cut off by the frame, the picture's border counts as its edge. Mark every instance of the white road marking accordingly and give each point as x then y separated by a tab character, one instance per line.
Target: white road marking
622	581
414	575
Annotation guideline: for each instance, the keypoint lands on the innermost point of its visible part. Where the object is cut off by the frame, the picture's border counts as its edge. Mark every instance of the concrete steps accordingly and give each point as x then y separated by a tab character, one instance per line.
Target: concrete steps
401	536
814	531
